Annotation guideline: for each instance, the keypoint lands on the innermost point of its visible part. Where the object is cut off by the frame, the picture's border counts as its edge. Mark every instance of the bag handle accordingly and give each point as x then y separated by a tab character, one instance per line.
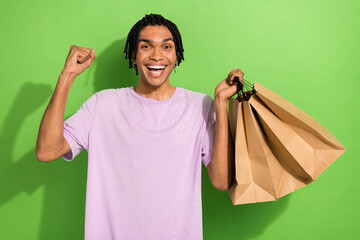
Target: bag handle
245	89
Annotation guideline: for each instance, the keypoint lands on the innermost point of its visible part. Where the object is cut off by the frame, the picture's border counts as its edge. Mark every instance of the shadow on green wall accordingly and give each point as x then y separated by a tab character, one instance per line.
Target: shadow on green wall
112	69
223	220
26	175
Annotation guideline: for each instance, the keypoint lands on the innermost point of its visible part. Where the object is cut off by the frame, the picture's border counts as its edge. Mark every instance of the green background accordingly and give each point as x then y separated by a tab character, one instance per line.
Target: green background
305	51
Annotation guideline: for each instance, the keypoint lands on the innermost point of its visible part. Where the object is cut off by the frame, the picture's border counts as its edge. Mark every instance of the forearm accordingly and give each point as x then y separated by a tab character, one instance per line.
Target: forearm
50	137
223	163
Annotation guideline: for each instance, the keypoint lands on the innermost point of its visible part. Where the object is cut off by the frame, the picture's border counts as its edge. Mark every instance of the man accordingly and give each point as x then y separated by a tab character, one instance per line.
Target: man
145	143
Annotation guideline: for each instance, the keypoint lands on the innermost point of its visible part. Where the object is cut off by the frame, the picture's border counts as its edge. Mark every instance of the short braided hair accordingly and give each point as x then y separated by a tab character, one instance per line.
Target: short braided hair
132	40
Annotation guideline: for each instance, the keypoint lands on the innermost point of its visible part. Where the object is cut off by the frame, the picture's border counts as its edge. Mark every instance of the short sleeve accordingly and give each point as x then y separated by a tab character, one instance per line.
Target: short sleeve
208	139
78	126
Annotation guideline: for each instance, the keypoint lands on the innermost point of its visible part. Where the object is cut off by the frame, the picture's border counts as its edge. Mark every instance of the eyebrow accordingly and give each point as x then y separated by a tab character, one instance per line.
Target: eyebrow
149	41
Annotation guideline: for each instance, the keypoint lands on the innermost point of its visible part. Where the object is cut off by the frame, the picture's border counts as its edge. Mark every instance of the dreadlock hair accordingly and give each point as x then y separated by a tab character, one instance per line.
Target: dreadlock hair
132	40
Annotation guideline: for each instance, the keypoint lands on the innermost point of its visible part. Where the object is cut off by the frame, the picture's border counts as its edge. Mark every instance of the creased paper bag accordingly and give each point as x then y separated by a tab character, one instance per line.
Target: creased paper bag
278	147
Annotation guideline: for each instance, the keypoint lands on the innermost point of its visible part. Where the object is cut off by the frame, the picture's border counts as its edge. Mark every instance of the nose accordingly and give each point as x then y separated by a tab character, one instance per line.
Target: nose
156	54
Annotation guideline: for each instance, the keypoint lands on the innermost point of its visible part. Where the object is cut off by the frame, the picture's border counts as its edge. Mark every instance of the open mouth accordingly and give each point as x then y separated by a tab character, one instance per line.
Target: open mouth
156	70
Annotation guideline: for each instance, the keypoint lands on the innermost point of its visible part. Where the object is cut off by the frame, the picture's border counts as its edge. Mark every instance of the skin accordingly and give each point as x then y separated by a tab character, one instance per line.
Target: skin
156	46
221	169
51	143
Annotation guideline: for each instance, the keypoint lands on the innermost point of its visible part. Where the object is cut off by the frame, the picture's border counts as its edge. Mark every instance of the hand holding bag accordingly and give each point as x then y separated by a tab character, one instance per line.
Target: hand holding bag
278	147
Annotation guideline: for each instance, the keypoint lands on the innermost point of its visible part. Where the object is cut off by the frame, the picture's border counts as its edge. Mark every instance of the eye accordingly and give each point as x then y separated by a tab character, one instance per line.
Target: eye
168	47
145	46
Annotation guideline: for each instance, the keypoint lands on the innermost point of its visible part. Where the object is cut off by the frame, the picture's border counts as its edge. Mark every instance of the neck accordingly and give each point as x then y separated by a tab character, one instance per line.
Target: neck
161	93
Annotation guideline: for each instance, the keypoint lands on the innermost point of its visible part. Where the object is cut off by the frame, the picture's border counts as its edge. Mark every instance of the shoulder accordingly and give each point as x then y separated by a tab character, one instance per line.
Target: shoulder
111	92
107	95
199	98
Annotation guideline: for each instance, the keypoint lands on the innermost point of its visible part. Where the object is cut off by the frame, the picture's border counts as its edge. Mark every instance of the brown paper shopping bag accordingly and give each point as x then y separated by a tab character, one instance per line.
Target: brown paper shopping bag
278	147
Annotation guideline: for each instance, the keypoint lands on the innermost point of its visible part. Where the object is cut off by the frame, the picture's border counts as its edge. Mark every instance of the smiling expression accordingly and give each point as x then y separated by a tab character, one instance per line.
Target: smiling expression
156	55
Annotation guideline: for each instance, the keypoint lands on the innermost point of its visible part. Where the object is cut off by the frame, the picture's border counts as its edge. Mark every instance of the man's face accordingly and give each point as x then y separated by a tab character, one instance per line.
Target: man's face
156	55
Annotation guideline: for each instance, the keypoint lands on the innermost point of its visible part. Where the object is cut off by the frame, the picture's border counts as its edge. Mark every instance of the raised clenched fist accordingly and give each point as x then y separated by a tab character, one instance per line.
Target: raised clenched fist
78	60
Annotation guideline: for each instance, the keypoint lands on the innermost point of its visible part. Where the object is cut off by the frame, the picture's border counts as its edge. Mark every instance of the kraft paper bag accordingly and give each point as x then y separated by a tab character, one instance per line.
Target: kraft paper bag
278	147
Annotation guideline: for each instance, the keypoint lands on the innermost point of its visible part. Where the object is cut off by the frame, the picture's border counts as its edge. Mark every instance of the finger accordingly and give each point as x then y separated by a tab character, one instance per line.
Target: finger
73	57
238	71
93	54
231	79
89	60
238	82
240	74
232	74
236	79
83	56
233	71
227	80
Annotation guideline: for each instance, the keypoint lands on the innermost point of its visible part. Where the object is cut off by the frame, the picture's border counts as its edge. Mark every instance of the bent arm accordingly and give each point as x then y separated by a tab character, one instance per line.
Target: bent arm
51	143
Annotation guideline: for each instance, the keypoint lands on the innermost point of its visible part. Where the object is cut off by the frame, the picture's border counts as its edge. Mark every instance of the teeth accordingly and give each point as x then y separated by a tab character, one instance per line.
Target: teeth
156	67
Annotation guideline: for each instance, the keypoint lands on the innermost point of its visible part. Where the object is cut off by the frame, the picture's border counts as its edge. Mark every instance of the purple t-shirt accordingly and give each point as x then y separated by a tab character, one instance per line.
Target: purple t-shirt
144	163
